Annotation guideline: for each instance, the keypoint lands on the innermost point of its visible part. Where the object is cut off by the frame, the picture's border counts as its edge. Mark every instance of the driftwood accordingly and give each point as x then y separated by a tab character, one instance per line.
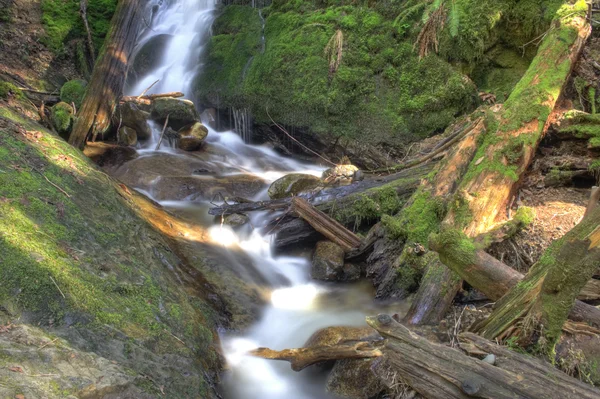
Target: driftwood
303	357
438	371
108	78
150	97
325	225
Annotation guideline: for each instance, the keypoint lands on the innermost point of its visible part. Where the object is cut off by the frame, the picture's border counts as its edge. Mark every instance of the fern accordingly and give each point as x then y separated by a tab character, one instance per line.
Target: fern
454	19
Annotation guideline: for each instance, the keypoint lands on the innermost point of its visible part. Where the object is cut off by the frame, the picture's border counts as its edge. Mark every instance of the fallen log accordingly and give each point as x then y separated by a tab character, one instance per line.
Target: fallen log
325	225
108	78
174	94
301	358
438	371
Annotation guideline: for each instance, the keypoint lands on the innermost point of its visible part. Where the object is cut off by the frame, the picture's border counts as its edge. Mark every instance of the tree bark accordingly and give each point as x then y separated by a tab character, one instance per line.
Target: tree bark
438	371
110	71
510	144
540	304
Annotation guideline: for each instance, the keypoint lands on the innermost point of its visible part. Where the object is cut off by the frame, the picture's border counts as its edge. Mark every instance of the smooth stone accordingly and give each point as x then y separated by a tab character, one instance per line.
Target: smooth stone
293	184
192	136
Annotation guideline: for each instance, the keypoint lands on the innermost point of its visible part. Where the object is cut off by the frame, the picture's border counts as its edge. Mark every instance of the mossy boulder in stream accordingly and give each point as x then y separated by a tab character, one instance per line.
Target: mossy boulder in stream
180	112
293	184
83	262
132	116
192	136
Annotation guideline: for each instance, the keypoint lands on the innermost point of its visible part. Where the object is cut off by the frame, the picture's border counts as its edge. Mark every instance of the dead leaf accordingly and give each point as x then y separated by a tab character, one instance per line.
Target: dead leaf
480	160
16	369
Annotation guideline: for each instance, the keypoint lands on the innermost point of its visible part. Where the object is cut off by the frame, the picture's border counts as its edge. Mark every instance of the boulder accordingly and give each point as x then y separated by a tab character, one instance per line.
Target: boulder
341	174
73	91
149	56
293	184
127	136
353	379
351	272
328	262
236	219
180	112
192	136
61	117
132	116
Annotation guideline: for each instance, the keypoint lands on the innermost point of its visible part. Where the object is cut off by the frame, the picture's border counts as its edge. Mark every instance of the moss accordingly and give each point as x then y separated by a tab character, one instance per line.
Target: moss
458	248
62	117
68	254
62	21
73	92
8	90
369	207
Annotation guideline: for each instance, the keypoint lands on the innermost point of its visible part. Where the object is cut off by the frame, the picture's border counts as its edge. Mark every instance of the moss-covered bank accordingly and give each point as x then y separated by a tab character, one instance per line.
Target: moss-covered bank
78	260
350	68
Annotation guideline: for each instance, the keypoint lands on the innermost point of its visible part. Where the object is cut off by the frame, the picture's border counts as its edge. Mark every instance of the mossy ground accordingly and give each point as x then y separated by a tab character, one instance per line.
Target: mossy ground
74	252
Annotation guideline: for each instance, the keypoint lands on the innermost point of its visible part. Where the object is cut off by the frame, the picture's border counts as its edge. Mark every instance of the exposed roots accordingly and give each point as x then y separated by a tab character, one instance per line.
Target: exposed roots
428	38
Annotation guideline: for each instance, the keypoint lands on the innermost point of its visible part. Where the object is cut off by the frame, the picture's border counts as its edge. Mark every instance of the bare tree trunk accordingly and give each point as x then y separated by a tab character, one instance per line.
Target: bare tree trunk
108	77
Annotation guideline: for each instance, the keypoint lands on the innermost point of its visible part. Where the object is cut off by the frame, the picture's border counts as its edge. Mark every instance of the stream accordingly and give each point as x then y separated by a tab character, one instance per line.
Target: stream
298	305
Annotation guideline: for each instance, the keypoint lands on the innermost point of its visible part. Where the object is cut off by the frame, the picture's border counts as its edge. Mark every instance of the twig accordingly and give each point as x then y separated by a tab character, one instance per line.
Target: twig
149	87
90	42
162	133
55	339
74	108
299	143
174	336
37	91
61	190
59	290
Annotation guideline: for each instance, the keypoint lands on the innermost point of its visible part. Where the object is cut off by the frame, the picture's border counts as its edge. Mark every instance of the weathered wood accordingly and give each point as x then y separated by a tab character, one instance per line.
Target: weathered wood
591	291
90	42
438	371
108	78
325	225
303	357
174	94
592	202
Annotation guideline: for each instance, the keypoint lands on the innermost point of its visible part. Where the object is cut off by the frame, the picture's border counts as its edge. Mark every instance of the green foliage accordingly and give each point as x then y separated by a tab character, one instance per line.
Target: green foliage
73	92
369	207
62	21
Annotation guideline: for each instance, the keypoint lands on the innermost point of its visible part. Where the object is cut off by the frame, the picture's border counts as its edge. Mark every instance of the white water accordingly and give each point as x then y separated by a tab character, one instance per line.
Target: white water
298	306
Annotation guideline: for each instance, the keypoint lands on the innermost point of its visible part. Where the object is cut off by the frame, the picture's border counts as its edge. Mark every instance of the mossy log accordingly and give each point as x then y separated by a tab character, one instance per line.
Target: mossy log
108	78
438	371
540	304
510	142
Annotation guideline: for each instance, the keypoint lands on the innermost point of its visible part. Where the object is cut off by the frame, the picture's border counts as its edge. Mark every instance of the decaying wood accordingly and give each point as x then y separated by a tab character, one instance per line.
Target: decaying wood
591	291
174	94
162	133
325	225
108	78
593	201
438	371
303	357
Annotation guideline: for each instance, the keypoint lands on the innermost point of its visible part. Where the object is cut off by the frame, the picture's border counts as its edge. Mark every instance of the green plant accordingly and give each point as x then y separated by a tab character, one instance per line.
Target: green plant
73	92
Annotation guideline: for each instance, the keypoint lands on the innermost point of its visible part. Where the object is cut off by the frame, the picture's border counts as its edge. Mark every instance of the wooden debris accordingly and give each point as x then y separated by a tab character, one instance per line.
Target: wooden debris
303	357
325	225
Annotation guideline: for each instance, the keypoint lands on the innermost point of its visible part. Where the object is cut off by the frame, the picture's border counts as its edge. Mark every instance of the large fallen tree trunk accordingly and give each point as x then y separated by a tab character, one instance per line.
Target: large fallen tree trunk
509	145
437	371
539	306
108	78
494	278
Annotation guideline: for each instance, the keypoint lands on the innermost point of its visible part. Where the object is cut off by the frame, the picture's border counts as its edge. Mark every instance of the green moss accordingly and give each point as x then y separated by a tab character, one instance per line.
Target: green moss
458	248
10	90
369	207
62	117
73	92
62	21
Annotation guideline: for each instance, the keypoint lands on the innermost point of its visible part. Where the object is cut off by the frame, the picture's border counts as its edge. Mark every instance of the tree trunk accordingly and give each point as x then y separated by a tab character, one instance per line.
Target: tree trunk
108	77
438	371
539	305
510	143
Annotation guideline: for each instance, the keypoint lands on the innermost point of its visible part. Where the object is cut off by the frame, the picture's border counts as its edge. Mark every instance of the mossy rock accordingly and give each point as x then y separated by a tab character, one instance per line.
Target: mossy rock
293	184
8	90
132	116
327	262
150	54
61	116
73	92
181	112
192	136
127	136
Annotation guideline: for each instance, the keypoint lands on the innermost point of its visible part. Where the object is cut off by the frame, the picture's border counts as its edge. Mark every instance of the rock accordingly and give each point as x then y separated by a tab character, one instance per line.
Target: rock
150	54
351	272
73	92
353	379
341	174
61	117
180	112
127	136
236	219
293	184
132	116
327	262
330	336
192	136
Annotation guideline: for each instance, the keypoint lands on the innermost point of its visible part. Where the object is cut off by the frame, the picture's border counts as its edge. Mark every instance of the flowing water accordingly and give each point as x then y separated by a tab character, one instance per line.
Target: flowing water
298	306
